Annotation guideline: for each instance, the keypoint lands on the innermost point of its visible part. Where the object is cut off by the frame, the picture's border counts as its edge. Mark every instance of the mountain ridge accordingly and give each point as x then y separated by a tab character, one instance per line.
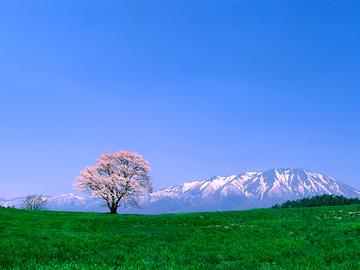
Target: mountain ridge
218	193
247	190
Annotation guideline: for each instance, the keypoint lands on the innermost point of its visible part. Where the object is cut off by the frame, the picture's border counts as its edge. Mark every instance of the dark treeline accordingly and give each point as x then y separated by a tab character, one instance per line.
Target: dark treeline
320	200
1	206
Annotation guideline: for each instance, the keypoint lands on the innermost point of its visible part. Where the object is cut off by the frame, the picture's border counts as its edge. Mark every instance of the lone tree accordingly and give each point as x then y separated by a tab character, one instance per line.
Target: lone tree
119	179
34	202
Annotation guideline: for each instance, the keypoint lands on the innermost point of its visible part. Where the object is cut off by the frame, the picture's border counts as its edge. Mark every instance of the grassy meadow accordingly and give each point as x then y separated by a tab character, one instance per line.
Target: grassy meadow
303	238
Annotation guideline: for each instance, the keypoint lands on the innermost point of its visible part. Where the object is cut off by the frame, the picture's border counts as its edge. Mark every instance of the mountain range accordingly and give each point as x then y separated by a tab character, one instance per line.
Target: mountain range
220	193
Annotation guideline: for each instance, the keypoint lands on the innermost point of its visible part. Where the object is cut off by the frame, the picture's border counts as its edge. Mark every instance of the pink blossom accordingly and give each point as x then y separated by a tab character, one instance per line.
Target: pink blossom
119	179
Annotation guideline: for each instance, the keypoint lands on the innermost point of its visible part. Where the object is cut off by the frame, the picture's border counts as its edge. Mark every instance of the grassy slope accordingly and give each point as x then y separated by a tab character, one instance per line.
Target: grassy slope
312	238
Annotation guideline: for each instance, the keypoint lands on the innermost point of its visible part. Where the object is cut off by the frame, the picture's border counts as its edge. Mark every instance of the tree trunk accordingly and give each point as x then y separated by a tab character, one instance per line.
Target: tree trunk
113	210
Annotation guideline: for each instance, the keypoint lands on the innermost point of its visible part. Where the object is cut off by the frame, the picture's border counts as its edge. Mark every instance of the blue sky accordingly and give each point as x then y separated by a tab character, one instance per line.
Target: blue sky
200	88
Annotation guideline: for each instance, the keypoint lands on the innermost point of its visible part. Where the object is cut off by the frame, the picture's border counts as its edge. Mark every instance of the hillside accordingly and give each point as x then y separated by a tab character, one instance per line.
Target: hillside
303	238
319	200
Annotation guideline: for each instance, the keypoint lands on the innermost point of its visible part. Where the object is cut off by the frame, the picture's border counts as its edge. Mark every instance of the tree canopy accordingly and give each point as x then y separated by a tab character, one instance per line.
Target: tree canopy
118	179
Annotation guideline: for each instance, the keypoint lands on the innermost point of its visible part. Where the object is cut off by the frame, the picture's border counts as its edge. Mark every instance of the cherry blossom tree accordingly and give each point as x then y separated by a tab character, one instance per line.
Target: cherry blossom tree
119	179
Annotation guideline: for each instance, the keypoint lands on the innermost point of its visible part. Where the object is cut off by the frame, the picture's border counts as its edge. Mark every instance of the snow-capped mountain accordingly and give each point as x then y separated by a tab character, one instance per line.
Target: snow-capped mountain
236	192
66	202
63	202
245	191
16	202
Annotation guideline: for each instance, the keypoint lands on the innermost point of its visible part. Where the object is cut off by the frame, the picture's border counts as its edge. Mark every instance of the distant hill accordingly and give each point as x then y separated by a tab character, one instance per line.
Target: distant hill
236	192
320	200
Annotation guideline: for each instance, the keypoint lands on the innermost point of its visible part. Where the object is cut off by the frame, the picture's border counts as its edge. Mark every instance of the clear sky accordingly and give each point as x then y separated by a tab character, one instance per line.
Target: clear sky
200	88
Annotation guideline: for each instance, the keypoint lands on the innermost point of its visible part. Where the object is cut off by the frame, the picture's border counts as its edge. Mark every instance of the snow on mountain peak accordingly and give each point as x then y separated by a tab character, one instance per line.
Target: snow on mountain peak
247	190
219	193
67	196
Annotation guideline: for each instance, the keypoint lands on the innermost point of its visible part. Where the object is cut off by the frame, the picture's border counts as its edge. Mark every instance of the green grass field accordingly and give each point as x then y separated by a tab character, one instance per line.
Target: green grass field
311	238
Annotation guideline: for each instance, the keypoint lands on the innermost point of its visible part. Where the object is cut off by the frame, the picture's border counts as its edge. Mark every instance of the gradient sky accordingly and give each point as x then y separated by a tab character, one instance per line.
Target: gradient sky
200	88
